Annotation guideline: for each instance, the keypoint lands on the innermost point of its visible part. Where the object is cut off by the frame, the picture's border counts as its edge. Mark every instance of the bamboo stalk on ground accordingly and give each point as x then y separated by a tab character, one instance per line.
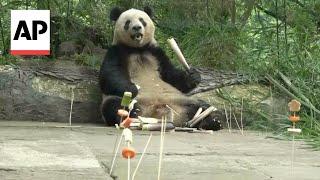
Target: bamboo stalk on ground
197	113
201	116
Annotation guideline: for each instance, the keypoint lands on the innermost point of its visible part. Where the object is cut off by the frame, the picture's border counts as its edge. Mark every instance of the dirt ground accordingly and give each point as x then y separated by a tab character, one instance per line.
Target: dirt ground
33	150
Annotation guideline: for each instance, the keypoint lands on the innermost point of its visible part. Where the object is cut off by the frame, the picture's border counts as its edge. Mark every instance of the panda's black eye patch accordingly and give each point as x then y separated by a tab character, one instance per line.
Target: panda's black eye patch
126	26
143	22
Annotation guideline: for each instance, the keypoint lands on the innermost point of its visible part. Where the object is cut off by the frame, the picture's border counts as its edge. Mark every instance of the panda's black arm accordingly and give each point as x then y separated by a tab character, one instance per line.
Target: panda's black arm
182	80
113	79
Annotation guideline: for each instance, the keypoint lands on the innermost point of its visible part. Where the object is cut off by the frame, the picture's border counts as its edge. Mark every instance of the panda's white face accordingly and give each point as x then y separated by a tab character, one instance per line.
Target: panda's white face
134	28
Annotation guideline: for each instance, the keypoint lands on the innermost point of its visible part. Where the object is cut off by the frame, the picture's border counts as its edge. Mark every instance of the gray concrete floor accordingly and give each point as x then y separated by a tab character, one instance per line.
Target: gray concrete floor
32	150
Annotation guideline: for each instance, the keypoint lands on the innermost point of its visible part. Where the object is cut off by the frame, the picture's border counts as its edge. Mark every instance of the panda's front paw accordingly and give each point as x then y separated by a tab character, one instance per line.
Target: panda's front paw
133	89
135	111
194	77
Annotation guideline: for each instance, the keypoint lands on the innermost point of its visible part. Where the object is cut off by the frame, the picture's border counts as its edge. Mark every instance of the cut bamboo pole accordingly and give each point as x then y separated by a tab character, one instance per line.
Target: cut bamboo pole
116	153
173	44
202	116
197	113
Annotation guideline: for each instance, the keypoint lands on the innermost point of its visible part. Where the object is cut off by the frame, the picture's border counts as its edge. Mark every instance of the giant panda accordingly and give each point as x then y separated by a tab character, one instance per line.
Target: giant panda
136	63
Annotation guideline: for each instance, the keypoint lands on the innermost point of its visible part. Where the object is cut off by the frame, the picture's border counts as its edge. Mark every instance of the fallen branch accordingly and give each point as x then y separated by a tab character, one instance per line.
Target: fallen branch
293	88
276	83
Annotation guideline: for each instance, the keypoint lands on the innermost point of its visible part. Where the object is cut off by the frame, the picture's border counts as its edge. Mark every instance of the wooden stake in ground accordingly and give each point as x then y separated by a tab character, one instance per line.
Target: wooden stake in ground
235	118
162	134
226	114
294	107
70	112
241	115
115	152
230	117
71	105
128	152
140	160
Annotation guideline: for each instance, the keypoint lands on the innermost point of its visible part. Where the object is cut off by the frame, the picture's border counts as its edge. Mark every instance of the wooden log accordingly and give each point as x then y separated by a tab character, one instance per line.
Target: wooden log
42	92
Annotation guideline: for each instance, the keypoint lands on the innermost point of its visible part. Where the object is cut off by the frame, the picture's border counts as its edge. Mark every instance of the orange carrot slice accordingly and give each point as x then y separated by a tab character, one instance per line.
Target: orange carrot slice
128	152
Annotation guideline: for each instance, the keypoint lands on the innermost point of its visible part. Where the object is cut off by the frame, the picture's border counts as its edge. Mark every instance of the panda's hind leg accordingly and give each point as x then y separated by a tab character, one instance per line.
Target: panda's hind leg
211	122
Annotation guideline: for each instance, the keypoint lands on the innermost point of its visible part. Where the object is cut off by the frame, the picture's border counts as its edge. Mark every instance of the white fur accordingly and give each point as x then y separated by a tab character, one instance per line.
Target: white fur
123	36
154	93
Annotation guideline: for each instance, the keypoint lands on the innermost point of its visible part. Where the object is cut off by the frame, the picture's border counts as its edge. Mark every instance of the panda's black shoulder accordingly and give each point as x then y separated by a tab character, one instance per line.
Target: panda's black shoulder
111	52
115	54
160	54
157	51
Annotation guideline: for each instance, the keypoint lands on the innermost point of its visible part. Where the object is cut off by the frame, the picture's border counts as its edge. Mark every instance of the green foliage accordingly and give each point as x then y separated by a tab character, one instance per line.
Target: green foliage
7	59
223	46
88	60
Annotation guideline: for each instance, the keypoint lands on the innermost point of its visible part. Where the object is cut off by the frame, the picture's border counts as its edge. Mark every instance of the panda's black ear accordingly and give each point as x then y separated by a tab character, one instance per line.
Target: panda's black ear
115	13
148	10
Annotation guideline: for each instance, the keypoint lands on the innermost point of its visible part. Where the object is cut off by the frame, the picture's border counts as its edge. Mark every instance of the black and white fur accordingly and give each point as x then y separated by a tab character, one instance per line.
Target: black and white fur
135	60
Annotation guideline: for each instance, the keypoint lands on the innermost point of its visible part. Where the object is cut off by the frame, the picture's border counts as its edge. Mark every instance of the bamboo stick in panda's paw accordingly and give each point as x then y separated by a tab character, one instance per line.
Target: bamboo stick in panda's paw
173	44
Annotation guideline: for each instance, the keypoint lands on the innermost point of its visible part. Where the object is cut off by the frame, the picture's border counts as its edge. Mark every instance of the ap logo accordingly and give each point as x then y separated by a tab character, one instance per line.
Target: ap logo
30	32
